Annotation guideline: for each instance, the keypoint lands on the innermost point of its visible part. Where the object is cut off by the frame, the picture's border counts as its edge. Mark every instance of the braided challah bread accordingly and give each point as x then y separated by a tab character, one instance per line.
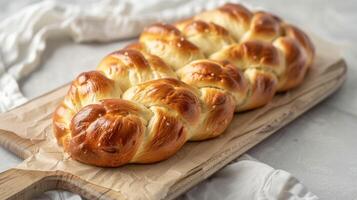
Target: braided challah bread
179	83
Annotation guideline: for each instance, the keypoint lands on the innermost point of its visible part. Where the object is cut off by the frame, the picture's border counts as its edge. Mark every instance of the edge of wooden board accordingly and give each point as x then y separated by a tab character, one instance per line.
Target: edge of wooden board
63	180
230	153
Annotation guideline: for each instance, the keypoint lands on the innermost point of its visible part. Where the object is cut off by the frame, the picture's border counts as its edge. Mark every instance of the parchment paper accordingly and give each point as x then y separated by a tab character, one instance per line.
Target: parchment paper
33	121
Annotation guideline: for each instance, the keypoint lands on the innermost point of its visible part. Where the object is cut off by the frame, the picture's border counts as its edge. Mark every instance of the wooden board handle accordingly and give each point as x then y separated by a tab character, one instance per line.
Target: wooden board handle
23	184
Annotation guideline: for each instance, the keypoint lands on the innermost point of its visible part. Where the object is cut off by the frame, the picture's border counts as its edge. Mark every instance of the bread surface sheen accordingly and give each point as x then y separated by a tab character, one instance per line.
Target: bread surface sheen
180	82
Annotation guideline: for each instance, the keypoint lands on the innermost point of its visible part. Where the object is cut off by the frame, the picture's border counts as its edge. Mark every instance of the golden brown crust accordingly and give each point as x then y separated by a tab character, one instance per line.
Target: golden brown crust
263	86
181	24
264	26
169	93
168	43
237	11
253	54
166	30
260	54
130	67
296	63
262	64
137	46
233	17
61	119
91	86
145	101
217	113
87	88
222	87
166	33
199	26
107	134
297	34
209	37
166	135
209	73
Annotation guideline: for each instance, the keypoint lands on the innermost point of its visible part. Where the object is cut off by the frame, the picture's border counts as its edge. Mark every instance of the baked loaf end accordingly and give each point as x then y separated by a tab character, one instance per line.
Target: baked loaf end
179	83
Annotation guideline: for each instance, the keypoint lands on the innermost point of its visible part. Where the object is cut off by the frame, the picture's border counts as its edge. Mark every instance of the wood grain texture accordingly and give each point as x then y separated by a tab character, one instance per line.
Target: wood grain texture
23	184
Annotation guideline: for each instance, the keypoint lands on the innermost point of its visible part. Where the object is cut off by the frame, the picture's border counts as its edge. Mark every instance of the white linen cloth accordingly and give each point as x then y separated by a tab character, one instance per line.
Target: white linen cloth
23	40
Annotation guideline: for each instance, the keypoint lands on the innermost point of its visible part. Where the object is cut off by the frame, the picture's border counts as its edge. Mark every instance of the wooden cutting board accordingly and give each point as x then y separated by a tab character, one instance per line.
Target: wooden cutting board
23	184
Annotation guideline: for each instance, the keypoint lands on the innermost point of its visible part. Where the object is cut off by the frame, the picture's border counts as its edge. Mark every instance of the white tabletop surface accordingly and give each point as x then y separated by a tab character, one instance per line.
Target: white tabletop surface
319	148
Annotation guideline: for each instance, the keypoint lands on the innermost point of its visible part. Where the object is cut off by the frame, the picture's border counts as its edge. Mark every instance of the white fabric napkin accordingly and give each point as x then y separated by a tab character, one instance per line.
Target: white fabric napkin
23	40
248	178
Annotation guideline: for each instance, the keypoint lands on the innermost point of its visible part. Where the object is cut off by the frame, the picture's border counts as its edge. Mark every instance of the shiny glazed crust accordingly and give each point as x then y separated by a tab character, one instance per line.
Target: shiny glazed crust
179	83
